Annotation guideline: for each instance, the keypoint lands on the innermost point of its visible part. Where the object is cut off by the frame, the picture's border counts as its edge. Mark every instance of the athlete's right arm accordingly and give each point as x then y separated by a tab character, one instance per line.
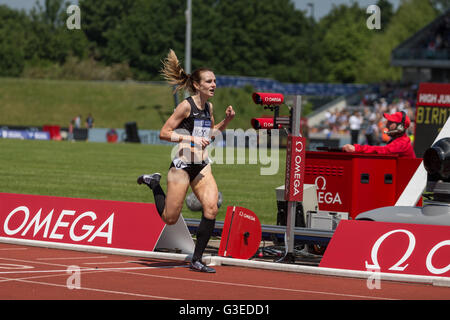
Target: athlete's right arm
167	132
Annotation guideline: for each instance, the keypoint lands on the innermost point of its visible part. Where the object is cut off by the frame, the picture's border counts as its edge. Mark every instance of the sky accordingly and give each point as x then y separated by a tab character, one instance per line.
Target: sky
321	7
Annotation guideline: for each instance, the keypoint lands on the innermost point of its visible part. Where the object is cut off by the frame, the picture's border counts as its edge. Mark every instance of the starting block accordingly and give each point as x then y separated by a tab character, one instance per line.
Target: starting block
241	234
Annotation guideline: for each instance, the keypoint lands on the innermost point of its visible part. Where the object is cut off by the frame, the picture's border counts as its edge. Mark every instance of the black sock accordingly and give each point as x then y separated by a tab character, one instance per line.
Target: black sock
204	232
160	198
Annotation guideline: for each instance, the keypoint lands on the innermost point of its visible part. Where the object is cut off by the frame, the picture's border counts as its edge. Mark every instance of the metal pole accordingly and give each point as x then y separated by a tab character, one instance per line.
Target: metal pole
187	62
292	205
188	36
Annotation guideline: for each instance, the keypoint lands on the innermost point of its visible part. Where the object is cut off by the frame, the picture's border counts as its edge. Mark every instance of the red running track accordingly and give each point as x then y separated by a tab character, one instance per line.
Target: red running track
31	273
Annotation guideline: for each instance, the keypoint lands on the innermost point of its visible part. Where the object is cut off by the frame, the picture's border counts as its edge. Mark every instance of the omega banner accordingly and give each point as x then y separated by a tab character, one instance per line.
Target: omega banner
432	111
87	222
390	248
295	168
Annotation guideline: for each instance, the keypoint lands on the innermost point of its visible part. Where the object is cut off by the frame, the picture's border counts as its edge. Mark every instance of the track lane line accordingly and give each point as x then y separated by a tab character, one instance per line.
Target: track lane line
71	258
261	287
88	269
93	289
216	282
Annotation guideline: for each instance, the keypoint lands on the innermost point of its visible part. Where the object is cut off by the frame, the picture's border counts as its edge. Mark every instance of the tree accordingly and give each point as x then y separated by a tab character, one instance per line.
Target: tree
244	37
386	13
48	38
411	16
259	38
344	42
50	14
441	5
145	36
101	16
12	42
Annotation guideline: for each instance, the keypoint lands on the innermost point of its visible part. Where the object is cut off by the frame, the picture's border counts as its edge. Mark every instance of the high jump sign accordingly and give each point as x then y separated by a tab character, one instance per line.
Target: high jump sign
88	222
432	112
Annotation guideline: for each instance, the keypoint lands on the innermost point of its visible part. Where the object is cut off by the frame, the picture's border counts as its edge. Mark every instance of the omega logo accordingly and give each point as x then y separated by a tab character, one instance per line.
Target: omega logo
411	246
322	195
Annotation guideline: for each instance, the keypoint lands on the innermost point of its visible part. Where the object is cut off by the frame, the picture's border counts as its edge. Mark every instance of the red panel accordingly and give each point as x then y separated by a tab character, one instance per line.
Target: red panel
124	225
373	183
406	169
434	94
241	234
354	183
332	174
390	247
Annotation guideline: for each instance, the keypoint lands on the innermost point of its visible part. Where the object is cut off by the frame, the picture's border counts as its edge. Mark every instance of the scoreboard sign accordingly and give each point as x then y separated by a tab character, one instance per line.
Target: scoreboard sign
432	111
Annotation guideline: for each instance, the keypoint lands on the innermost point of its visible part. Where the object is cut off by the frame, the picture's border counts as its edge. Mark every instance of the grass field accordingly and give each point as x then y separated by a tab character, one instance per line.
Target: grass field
109	172
35	102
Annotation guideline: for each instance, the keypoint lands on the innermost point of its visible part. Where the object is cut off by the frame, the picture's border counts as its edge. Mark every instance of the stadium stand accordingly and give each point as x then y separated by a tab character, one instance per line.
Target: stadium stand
426	55
269	85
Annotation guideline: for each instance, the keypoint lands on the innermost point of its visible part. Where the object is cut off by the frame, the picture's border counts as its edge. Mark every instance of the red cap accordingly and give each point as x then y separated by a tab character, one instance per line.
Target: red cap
397	117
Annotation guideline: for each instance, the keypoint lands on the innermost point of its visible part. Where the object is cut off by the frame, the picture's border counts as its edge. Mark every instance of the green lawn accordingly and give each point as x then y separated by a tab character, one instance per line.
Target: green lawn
35	102
109	172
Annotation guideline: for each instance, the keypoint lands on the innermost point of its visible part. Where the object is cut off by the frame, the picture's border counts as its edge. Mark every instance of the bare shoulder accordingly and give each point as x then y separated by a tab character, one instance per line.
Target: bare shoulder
183	109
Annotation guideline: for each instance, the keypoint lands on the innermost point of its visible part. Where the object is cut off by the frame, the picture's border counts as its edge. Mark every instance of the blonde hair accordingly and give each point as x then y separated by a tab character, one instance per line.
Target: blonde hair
175	75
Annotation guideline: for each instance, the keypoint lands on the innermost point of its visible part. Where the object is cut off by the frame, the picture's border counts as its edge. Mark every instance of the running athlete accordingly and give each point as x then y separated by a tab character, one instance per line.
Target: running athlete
192	126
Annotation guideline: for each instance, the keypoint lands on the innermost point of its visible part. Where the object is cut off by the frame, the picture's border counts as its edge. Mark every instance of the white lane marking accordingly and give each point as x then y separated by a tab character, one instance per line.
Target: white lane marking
14	266
93	289
213	282
89	269
71	258
114	262
264	287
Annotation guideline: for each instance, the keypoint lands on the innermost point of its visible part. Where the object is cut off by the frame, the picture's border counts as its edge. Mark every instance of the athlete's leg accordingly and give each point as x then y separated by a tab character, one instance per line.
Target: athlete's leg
152	181
169	207
205	188
177	187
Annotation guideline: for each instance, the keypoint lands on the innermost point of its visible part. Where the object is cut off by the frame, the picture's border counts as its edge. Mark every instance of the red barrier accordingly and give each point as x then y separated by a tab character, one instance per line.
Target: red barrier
54	131
390	247
85	222
241	234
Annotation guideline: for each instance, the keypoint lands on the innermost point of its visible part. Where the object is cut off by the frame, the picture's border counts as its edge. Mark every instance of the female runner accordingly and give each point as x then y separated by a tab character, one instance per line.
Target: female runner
192	126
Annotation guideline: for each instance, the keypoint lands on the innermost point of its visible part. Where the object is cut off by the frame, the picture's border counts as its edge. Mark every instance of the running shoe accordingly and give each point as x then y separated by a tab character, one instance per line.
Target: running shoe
150	180
200	267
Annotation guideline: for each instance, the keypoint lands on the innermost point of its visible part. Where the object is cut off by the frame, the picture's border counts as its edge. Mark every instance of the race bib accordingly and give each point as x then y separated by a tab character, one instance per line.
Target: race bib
201	128
179	164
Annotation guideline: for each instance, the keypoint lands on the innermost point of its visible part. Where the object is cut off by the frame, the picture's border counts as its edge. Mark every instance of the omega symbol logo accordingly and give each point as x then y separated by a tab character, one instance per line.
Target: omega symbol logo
322	195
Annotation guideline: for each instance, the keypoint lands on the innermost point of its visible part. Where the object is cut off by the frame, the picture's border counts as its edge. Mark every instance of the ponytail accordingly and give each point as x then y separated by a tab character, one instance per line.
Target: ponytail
175	75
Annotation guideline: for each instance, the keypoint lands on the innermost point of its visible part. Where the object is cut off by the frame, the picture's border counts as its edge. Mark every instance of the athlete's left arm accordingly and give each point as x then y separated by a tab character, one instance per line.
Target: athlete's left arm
222	125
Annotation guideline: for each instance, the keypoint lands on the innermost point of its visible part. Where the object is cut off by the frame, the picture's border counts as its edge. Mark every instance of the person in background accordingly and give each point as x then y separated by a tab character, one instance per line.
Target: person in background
89	121
78	121
400	144
355	122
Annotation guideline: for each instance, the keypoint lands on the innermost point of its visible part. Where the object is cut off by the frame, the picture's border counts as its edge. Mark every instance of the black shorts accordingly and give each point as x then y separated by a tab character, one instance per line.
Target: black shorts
192	169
